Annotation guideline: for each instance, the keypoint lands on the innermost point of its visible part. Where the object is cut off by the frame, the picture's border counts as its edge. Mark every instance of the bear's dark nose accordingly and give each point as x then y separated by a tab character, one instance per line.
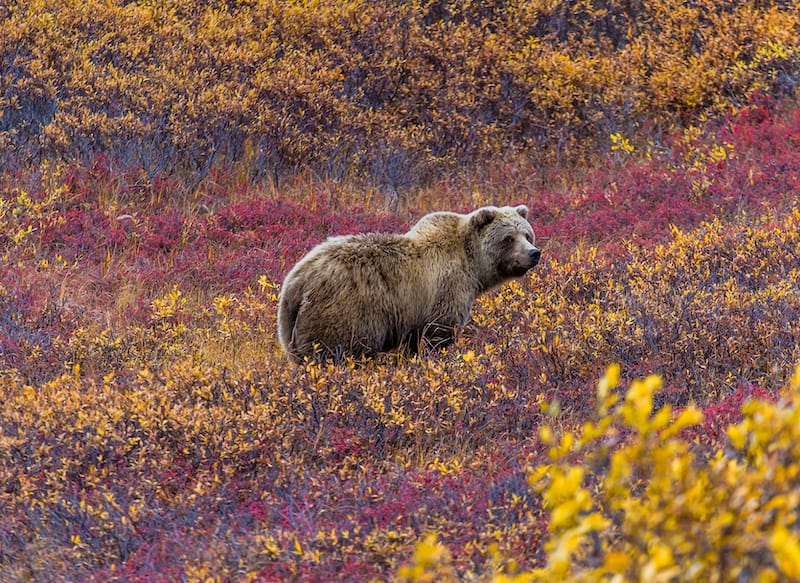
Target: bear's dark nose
535	254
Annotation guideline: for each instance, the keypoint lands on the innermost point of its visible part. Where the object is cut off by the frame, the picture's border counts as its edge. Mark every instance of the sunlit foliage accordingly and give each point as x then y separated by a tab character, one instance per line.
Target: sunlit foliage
392	92
627	496
151	429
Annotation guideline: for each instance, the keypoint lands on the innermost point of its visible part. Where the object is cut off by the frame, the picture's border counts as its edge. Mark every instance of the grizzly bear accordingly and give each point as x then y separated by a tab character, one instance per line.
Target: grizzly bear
359	295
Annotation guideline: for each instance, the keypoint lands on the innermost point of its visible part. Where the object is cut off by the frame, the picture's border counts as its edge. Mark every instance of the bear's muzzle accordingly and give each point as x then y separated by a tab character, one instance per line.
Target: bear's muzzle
535	254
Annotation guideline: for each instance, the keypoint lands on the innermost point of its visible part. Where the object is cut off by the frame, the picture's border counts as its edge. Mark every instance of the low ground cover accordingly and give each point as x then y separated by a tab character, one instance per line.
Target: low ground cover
151	429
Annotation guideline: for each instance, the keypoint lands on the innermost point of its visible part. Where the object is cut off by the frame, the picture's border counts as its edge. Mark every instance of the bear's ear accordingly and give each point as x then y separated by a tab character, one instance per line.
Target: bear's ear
482	217
522	210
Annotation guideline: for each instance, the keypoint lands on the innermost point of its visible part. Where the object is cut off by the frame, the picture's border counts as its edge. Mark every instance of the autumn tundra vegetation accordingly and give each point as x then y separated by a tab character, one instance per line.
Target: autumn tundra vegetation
628	410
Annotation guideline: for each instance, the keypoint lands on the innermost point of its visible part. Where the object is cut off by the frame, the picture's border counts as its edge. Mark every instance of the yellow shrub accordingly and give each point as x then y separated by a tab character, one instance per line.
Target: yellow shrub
635	500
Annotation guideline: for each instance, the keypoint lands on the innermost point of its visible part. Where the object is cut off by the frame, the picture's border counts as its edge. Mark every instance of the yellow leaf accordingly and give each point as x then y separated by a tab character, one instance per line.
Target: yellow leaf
738	435
538	474
609	381
688	417
662	557
787	551
564	515
661	418
616	562
795	381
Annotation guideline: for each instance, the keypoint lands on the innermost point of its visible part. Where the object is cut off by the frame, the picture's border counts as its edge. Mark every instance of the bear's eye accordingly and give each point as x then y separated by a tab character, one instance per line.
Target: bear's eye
529	238
508	240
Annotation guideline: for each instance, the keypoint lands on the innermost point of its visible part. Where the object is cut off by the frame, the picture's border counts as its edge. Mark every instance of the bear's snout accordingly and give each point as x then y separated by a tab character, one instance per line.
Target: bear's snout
535	254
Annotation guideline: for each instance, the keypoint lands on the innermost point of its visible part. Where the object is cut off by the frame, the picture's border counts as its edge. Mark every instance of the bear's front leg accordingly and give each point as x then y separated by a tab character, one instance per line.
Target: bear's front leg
429	338
436	336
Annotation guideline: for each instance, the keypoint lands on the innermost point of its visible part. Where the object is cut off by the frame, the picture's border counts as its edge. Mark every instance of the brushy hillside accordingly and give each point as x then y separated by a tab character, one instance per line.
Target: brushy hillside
153	431
391	93
628	409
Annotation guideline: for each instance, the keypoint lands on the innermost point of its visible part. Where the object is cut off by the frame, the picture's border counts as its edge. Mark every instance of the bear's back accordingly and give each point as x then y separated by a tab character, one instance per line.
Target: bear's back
438	229
369	247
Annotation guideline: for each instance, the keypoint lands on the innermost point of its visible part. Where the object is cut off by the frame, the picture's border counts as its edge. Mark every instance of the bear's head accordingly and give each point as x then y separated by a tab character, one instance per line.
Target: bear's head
502	243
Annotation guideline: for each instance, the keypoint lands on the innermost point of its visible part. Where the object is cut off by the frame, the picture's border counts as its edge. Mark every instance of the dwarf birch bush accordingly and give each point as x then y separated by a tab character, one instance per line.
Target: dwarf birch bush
629	498
392	93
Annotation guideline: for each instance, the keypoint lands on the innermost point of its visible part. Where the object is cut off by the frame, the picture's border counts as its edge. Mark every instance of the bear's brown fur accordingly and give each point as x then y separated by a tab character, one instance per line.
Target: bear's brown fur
363	294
